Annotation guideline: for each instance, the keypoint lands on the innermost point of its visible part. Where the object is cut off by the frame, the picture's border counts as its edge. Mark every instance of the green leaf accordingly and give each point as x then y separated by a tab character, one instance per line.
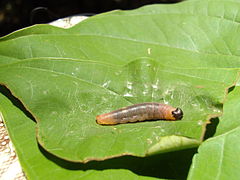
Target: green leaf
67	77
39	164
68	104
230	119
217	157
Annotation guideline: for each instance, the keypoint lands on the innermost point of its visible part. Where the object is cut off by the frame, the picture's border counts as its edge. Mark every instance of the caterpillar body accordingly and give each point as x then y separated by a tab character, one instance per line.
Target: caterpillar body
140	112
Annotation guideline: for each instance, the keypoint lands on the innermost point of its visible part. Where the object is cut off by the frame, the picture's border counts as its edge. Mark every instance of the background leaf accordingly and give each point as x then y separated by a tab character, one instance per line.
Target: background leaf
217	157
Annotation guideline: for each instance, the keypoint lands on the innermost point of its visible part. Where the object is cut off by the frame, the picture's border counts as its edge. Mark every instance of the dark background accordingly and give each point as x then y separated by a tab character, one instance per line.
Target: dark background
16	14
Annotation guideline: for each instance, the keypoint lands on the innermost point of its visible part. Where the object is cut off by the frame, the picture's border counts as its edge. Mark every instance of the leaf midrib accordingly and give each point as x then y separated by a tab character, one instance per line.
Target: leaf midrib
115	66
125	39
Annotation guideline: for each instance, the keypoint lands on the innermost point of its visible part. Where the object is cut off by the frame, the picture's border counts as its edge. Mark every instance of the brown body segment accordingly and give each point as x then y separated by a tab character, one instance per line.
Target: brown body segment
140	112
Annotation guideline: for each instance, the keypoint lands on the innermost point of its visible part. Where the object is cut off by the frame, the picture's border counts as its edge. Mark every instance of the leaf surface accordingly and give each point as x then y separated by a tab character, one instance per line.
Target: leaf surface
67	77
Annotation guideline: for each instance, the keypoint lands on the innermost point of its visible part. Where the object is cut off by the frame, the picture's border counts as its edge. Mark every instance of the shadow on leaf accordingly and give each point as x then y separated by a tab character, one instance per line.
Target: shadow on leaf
172	165
16	102
211	128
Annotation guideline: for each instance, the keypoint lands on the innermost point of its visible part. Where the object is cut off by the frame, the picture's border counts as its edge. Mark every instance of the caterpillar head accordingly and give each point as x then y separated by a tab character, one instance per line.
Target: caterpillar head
177	113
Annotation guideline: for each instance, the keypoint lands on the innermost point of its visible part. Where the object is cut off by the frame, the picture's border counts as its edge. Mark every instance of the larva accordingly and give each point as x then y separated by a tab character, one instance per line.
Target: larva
140	112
